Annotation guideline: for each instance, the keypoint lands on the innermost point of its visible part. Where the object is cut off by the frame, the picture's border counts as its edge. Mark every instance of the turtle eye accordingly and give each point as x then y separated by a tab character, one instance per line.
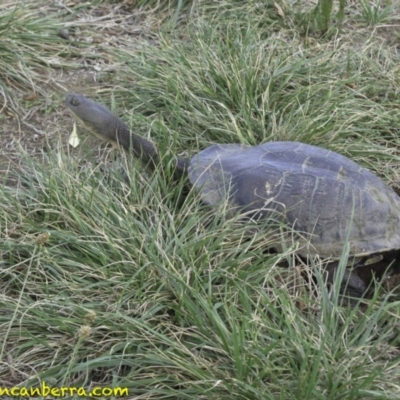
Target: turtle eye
74	102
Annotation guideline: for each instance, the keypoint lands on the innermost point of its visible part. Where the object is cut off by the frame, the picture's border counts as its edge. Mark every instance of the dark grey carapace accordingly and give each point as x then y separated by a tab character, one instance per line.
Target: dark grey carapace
325	196
321	193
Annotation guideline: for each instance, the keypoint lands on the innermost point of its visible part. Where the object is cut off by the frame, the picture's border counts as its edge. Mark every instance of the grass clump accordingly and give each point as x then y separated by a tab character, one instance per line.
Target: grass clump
136	290
28	44
230	85
34	46
321	16
376	12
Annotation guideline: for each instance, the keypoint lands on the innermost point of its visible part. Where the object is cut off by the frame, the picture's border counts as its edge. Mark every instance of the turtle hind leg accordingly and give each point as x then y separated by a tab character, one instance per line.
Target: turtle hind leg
376	269
351	285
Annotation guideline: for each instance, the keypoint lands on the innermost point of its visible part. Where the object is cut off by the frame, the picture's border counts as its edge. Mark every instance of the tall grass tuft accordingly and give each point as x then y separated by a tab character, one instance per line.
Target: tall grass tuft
114	281
30	47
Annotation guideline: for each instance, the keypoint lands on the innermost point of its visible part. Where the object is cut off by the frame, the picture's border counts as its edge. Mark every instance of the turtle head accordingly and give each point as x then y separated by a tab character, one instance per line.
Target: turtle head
101	122
95	118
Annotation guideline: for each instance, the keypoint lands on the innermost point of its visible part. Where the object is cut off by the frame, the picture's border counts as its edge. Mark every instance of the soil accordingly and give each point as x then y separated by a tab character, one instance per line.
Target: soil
41	121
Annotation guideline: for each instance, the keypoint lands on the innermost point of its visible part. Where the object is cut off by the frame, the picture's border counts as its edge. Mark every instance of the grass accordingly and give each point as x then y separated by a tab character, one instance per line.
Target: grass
112	275
131	285
376	12
28	44
249	89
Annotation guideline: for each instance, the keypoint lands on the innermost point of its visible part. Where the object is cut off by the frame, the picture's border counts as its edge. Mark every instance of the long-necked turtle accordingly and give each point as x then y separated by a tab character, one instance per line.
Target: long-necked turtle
327	198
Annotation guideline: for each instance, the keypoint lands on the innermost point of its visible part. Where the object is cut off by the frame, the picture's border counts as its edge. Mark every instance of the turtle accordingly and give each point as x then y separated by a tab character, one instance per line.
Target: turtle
328	199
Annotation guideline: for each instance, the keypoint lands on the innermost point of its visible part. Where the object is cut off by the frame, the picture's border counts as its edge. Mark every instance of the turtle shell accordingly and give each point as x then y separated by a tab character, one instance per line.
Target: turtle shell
322	195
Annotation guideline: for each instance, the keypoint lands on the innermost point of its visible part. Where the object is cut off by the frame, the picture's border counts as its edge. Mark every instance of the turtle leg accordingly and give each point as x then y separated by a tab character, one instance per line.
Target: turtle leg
380	268
352	285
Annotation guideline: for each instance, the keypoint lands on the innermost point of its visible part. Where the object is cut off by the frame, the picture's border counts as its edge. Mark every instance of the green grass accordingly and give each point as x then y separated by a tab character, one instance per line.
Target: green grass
237	86
133	288
112	275
376	12
28	44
